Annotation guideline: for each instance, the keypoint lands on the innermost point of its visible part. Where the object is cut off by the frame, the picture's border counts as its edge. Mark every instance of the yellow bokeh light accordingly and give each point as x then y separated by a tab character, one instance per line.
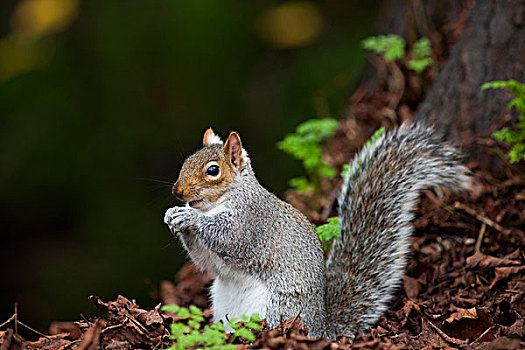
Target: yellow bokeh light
36	18
28	45
290	25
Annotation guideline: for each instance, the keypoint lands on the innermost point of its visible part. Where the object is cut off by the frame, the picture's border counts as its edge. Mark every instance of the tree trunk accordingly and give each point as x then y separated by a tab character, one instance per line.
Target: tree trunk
491	47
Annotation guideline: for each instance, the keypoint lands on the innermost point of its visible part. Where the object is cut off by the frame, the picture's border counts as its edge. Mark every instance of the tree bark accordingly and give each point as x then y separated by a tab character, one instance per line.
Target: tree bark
491	47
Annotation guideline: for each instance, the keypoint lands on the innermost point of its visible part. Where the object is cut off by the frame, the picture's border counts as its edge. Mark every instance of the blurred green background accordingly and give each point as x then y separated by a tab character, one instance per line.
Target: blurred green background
101	101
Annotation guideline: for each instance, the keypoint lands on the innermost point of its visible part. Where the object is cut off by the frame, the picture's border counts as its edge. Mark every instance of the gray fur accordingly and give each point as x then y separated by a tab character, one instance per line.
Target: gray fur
376	206
265	237
250	231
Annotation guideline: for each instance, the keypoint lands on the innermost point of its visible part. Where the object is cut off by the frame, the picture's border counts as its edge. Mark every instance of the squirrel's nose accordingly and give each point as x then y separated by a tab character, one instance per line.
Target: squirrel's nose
177	191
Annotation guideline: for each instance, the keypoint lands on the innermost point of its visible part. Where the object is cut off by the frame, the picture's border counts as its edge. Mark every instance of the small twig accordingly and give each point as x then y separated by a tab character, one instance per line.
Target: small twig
16	318
132	319
478	216
443	335
9	320
115	326
72	342
481	233
85	319
32	329
482	335
515	291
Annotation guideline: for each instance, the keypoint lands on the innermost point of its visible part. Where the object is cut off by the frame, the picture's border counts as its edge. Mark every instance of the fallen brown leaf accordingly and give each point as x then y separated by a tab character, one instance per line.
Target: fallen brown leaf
502	273
480	260
468	323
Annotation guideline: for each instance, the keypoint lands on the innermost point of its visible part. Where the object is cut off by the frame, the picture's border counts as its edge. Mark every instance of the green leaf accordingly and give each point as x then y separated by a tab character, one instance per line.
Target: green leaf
344	171
195	310
326	171
233	323
183	312
391	46
501	134
348	169
422	48
375	136
395	52
246	334
219	326
419	65
224	347
328	232
518	103
515	139
213	337
373	43
301	184
306	145
194	324
255	318
170	308
318	129
517	88
493	85
253	325
178	329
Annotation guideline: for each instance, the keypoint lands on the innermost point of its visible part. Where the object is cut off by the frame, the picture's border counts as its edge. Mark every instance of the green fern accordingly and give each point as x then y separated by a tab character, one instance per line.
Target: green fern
392	47
422	56
188	332
328	232
306	145
244	329
514	138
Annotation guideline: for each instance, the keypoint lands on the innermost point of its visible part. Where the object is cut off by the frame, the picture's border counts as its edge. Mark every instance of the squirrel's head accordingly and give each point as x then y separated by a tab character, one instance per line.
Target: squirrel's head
208	173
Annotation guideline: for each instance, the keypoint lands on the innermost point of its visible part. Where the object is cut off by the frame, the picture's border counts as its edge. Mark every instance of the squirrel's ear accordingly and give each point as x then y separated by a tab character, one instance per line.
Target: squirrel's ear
233	150
210	138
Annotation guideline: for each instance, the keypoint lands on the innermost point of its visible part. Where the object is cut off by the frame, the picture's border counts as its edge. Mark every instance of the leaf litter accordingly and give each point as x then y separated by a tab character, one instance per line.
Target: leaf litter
464	286
453	295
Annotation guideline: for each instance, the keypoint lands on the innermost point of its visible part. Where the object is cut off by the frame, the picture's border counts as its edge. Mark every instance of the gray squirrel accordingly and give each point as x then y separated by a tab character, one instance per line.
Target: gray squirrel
265	255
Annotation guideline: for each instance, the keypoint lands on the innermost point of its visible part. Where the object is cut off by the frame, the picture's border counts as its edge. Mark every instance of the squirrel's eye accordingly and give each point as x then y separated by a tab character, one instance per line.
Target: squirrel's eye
213	170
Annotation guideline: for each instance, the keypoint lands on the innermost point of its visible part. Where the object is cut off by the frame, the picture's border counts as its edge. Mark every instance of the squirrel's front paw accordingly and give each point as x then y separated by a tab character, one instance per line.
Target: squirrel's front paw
180	219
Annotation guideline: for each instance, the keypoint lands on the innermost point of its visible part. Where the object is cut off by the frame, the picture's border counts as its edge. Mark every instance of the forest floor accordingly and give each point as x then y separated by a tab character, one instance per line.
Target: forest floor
464	288
465	282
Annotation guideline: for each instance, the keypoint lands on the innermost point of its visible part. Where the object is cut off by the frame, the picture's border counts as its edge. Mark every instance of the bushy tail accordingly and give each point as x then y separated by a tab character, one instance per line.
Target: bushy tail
376	206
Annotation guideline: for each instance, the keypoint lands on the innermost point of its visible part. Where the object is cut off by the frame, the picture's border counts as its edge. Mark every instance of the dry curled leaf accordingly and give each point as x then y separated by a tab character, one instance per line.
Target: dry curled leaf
480	260
467	323
503	273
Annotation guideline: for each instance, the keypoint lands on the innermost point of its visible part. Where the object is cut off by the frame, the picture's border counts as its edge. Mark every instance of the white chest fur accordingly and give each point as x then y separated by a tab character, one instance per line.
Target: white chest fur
242	296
